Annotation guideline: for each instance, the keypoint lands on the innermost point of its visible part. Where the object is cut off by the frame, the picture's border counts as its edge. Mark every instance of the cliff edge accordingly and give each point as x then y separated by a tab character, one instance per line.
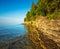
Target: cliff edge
44	33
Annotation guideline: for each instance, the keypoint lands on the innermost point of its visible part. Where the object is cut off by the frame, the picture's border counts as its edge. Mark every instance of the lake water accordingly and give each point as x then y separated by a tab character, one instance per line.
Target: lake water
8	32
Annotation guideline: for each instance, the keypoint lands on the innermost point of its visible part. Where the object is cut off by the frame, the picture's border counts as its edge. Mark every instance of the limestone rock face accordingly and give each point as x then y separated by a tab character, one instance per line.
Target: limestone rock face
44	33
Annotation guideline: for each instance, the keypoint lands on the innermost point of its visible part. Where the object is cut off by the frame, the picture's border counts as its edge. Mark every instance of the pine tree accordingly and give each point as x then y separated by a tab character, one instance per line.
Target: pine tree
33	8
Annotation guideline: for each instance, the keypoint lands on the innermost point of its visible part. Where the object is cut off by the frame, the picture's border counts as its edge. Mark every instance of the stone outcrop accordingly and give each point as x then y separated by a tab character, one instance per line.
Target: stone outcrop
44	33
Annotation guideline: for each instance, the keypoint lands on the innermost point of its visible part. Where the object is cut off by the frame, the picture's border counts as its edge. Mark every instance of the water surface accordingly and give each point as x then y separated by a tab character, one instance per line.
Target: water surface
8	32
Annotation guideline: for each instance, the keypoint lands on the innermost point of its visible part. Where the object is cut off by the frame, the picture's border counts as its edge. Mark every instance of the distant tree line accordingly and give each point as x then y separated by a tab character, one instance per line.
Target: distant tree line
49	8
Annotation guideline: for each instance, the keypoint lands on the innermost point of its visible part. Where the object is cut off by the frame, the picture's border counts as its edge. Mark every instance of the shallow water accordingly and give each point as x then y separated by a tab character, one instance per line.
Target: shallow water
8	32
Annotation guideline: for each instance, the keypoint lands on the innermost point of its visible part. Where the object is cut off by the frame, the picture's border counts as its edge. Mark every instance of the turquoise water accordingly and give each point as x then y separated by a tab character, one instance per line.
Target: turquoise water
8	32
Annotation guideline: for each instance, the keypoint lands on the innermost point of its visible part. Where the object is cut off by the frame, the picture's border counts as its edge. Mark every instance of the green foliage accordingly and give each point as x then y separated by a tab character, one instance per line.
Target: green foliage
41	8
31	14
53	6
55	15
50	8
33	8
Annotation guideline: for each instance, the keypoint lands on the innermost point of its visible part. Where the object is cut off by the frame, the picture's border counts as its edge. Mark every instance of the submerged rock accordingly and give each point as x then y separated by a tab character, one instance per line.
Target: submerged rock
22	43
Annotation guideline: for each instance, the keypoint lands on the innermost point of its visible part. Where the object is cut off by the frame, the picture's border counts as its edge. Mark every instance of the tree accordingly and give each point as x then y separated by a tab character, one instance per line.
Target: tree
41	8
33	8
50	8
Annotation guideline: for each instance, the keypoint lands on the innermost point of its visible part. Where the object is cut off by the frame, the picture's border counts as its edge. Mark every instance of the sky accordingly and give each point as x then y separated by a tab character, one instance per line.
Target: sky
14	11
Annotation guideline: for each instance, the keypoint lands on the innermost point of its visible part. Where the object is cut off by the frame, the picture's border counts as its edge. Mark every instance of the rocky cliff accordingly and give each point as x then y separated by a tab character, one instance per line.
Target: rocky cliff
44	33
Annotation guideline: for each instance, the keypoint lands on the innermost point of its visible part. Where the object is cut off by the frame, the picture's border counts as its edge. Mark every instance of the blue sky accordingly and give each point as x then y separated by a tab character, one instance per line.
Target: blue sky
14	11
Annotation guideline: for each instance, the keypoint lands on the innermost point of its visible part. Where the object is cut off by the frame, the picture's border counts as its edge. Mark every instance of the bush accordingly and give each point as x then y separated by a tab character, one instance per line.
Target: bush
55	16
